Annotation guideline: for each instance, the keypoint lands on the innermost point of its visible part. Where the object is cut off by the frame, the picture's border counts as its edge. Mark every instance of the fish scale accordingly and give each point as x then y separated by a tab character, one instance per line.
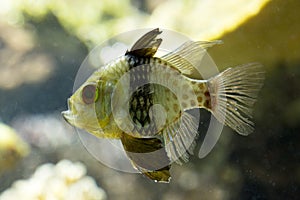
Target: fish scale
145	95
141	99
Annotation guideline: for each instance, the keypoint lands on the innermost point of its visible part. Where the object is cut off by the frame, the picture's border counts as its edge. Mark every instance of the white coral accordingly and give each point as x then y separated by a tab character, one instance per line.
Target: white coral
63	181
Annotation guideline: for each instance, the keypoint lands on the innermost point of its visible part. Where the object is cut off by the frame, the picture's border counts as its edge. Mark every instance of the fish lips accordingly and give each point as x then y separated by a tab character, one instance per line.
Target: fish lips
68	116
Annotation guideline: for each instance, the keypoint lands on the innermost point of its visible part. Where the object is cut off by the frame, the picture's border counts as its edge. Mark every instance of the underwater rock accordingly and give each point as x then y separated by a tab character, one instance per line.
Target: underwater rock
63	181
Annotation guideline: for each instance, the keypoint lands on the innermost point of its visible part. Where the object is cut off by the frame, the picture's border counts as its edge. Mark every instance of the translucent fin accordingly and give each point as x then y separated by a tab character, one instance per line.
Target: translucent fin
148	156
187	56
180	138
147	45
233	94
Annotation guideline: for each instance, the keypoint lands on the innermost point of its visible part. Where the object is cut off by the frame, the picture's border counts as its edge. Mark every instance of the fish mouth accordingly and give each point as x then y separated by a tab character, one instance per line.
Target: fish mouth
68	116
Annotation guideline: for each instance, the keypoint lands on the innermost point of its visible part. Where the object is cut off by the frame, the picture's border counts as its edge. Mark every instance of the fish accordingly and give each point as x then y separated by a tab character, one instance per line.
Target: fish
143	100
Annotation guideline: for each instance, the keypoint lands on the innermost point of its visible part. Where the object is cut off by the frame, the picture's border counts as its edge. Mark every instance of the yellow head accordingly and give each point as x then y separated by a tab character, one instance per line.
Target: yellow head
89	108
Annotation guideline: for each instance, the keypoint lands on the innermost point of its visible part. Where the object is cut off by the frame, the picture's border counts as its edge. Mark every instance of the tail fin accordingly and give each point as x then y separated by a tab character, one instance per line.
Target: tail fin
233	94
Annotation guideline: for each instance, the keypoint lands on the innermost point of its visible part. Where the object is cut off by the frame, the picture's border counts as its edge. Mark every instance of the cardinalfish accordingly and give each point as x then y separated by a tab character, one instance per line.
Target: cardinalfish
142	100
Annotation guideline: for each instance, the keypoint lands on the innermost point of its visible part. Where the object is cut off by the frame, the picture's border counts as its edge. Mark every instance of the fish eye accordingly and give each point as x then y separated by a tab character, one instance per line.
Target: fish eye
89	94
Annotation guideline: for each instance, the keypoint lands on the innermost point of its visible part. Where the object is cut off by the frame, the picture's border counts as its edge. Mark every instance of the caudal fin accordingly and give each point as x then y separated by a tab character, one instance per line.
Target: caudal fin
233	94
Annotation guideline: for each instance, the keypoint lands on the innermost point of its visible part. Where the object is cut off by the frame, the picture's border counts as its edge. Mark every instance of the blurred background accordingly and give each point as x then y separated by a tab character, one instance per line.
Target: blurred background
43	43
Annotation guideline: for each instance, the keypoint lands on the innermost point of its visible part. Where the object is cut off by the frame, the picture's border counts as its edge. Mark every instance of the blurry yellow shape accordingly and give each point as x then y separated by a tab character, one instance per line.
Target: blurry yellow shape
205	19
93	21
39	8
12	147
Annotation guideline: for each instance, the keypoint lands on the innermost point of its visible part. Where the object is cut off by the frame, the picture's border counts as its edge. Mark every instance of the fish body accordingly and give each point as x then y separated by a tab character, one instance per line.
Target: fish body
142	100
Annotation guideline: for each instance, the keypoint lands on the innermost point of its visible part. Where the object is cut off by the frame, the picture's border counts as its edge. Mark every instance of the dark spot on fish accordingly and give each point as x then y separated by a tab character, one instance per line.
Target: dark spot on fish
159	61
201	86
207	95
199	99
207	104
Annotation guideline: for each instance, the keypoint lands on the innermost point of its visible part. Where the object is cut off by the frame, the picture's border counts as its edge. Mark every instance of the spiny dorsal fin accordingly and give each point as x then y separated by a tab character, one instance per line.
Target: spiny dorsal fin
179	138
147	45
188	56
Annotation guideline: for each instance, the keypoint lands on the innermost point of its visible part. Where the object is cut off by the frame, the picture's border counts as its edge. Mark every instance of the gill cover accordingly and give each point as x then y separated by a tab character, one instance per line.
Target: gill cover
103	102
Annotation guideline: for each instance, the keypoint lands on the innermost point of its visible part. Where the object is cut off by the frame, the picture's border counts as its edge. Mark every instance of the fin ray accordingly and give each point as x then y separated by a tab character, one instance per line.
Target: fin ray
147	45
180	138
186	57
233	94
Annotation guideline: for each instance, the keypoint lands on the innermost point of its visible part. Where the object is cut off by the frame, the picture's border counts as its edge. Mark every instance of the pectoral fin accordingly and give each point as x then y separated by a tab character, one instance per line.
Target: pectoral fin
148	156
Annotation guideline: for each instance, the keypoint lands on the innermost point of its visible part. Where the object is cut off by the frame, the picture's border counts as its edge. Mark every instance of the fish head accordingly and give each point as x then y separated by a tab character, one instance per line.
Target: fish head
89	108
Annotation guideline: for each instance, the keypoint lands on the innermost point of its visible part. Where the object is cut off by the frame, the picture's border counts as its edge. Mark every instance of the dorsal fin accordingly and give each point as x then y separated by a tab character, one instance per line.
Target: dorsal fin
147	45
186	57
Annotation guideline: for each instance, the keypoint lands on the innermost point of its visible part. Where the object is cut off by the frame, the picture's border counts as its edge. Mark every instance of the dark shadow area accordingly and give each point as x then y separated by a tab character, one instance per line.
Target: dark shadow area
269	158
